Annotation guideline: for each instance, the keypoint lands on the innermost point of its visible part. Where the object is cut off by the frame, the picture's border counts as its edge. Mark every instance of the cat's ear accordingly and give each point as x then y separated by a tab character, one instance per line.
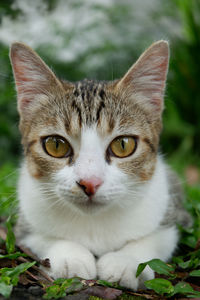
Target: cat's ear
145	80
33	77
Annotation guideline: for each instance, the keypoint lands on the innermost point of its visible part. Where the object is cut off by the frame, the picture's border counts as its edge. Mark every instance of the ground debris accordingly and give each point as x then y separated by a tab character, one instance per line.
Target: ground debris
35	283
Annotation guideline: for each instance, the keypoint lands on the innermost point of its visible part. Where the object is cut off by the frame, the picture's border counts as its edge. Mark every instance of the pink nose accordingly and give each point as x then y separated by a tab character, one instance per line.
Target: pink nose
90	185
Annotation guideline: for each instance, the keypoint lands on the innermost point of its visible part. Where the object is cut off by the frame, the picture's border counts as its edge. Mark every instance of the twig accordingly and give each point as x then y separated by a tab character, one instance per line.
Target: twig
45	275
147	296
44	262
32	275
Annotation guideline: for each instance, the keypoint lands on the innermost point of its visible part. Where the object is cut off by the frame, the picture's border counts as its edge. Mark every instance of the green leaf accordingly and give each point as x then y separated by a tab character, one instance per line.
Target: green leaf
62	286
74	287
13	255
189	241
177	259
54	291
10	238
185	264
105	283
160	286
13	273
195	273
6	280
66	283
189	230
184	288
161	267
5	289
140	268
189	261
158	266
195	254
114	285
195	263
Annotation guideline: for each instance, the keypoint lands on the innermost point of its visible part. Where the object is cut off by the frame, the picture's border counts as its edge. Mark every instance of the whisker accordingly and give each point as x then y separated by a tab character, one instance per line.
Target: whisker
59	202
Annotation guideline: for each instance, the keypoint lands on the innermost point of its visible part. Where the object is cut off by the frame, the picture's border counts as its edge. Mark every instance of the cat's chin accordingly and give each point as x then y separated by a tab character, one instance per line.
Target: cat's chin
89	206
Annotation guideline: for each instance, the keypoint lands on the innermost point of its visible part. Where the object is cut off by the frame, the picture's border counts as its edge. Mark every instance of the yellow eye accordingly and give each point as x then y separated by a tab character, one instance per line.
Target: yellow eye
57	147
123	146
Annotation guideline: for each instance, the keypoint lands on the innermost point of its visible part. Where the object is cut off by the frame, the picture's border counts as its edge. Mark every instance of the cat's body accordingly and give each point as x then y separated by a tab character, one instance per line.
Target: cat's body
109	202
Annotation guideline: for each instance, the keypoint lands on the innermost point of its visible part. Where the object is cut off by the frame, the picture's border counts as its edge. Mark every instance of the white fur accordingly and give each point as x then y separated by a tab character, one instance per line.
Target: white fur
122	229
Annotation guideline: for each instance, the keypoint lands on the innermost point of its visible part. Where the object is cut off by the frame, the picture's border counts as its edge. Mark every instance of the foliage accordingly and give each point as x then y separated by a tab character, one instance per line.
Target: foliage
182	127
62	286
10	238
9	135
10	277
177	276
8	177
169	286
157	266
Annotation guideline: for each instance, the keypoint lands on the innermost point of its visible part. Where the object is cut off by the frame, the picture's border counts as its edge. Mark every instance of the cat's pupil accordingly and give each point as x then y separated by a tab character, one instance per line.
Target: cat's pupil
123	144
57	144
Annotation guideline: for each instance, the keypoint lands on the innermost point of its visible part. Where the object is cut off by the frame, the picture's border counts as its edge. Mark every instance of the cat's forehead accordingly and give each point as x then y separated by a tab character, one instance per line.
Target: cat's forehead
90	97
92	102
87	103
84	104
89	89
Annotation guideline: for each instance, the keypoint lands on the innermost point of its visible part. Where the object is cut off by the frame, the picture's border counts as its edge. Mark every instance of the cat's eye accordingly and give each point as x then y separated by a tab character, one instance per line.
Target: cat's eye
57	146
123	146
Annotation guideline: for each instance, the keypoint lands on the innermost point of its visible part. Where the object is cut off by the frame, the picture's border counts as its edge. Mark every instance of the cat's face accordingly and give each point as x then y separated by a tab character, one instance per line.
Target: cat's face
90	144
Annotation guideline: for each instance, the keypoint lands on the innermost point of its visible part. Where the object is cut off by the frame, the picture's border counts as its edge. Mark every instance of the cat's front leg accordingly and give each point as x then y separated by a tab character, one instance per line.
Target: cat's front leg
121	266
67	259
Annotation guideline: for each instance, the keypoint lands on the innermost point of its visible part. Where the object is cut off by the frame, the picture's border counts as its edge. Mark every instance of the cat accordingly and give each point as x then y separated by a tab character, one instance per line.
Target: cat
95	196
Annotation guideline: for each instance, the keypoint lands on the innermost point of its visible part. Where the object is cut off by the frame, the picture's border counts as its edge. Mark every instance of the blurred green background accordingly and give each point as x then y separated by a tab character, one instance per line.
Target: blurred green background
101	39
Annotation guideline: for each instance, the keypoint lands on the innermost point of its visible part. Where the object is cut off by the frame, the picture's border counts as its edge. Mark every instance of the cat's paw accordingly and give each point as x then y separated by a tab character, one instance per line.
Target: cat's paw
68	259
116	267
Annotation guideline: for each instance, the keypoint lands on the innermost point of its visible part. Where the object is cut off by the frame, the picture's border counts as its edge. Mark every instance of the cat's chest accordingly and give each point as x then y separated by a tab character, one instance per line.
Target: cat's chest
101	234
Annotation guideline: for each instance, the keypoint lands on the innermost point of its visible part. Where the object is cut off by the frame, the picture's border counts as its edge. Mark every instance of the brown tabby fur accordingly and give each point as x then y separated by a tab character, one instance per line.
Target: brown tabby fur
86	103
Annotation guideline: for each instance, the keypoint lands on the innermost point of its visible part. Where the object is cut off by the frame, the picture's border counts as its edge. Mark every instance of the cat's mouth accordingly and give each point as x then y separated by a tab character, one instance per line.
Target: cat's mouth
88	204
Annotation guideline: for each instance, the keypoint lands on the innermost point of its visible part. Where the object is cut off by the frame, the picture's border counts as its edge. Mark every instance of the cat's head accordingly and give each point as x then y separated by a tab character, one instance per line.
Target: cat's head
90	144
